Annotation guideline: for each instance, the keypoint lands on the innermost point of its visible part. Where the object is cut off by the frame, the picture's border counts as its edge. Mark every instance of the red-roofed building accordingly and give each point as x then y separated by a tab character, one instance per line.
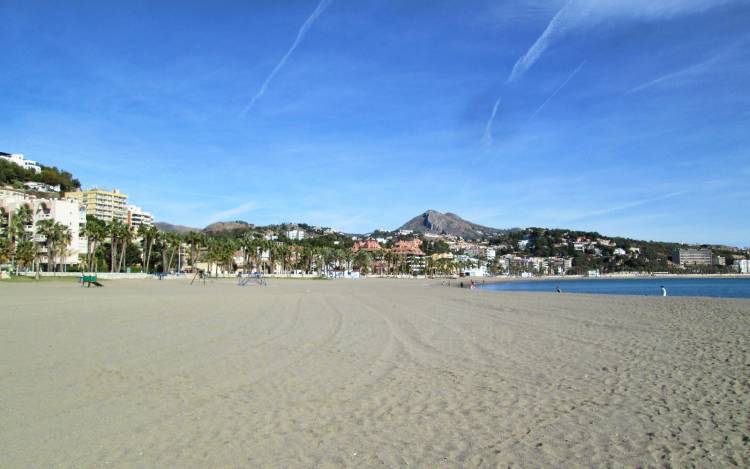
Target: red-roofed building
369	245
408	247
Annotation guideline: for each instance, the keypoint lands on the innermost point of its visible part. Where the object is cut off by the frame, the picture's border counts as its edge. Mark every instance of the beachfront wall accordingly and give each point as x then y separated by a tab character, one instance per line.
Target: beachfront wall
101	275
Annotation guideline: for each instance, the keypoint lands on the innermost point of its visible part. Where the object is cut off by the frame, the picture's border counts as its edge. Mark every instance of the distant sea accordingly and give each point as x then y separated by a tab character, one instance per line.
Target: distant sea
712	287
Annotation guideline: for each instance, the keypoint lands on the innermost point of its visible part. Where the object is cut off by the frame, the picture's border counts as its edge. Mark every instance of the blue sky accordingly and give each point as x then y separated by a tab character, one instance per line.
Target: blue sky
627	117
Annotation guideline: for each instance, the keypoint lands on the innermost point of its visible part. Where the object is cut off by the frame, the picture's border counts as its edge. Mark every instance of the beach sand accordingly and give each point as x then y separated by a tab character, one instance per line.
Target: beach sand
367	373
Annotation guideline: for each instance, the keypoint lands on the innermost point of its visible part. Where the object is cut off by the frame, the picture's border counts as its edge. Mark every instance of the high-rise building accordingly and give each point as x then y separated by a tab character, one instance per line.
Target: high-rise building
137	217
104	205
685	257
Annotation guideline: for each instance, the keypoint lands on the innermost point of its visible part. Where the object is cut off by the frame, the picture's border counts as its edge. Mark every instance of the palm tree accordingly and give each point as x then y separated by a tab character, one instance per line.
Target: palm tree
348	257
4	220
246	244
363	260
114	229
194	240
150	235
56	238
174	242
16	226
5	250
46	229
126	237
95	232
62	239
27	252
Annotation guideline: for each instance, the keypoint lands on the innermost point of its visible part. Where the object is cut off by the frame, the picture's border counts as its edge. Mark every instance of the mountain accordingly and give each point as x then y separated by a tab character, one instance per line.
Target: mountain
433	221
221	226
213	228
170	228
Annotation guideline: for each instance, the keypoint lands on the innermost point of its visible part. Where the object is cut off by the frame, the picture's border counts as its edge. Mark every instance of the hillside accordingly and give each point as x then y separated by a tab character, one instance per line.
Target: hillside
170	228
433	221
213	228
224	226
14	175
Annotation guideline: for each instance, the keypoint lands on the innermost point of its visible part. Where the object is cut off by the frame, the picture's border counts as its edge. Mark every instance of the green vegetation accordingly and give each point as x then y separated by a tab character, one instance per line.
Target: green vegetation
14	175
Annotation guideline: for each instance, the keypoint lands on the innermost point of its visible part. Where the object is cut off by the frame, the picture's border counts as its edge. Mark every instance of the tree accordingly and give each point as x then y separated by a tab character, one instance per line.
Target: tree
62	239
17	228
5	250
56	238
363	260
27	252
115	230
126	237
95	232
194	240
148	235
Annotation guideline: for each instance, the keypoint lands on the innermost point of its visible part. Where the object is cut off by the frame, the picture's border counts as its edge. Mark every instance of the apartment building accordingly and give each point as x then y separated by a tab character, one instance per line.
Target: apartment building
296	235
66	212
137	217
102	204
686	257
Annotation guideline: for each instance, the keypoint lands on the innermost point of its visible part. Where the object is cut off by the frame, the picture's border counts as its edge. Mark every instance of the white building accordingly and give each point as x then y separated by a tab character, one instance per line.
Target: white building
18	159
137	217
743	266
490	254
65	212
42	187
619	252
297	235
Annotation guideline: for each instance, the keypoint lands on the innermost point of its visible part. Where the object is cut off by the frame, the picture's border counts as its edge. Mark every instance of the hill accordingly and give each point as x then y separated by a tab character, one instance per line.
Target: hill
224	226
170	228
14	175
213	228
433	221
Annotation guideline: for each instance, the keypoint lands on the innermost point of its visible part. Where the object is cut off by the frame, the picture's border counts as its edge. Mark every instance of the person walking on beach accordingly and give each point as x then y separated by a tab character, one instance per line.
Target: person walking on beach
663	291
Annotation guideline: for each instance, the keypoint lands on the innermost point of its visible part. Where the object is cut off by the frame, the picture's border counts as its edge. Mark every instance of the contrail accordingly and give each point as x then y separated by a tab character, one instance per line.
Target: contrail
557	90
686	71
629	205
300	35
540	45
487	138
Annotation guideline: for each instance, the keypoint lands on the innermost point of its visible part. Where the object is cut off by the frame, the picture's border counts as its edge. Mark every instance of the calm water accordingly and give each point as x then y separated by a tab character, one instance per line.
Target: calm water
716	287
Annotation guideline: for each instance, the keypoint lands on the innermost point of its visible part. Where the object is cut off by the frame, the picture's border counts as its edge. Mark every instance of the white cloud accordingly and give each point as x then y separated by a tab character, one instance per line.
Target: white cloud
557	90
234	211
300	36
625	206
487	137
576	14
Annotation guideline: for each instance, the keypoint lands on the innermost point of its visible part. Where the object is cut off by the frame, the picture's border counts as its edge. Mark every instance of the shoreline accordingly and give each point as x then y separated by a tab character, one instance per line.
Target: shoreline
603	277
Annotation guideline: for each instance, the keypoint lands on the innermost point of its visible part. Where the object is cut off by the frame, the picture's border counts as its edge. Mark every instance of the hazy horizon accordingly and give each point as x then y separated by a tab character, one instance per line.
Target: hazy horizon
629	118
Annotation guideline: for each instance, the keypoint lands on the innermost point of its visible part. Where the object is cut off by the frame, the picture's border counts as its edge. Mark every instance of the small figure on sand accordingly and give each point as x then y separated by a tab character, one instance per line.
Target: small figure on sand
558	290
663	291
472	285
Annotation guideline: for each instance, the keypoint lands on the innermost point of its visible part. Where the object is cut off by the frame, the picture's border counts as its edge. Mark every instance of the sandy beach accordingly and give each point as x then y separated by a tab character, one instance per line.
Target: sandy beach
367	373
